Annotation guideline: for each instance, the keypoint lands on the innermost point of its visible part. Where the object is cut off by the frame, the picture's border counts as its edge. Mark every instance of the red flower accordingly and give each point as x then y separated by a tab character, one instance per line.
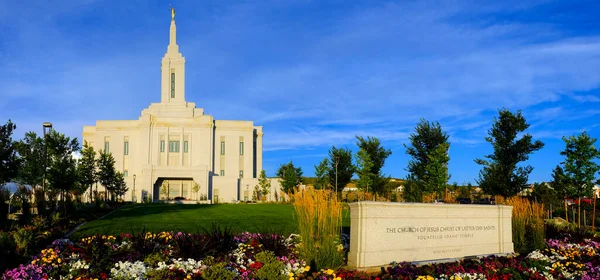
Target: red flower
256	265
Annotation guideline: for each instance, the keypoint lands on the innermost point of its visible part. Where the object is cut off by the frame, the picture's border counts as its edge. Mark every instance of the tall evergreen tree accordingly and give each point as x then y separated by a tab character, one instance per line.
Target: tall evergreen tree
290	177
377	154
344	170
428	165
501	174
9	162
87	167
322	174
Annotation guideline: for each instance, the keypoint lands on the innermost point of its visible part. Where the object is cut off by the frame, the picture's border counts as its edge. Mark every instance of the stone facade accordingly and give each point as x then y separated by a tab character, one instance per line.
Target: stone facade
175	142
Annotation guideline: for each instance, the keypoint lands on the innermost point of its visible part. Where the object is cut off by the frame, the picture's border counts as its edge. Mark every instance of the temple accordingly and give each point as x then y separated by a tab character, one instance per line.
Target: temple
174	150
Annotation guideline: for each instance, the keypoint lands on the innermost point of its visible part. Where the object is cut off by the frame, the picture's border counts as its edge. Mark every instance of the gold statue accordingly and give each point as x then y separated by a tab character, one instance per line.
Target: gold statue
172	13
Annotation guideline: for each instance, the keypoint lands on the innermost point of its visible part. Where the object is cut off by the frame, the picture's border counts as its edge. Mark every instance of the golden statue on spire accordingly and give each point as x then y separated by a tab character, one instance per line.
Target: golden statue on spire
172	12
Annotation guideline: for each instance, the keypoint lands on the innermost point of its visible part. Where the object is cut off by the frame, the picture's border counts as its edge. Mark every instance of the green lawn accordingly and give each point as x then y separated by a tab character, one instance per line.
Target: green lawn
278	218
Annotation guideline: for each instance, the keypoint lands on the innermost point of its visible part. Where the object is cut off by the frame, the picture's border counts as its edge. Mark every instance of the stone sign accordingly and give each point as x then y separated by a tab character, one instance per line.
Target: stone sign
383	232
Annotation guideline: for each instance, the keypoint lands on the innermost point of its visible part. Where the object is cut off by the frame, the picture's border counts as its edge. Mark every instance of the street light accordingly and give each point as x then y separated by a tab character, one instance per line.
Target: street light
133	194
46	128
337	160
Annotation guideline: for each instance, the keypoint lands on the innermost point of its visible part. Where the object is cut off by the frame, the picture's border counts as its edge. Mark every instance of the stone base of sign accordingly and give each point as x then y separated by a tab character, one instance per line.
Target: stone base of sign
384	232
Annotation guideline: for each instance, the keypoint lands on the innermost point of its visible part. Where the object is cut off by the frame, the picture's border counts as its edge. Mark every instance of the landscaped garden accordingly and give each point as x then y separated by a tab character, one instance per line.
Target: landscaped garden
316	251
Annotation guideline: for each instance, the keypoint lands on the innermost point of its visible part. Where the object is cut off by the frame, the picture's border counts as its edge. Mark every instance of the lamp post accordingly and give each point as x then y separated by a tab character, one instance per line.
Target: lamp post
133	198
247	193
46	128
337	160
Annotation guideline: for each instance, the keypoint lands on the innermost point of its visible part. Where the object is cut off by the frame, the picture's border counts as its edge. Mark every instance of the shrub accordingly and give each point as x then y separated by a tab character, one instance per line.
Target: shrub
7	250
319	216
271	267
24	239
194	246
216	271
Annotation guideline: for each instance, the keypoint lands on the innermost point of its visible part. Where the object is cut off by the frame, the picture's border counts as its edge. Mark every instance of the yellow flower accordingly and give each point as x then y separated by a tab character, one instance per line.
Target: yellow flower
329	271
307	268
291	274
59	261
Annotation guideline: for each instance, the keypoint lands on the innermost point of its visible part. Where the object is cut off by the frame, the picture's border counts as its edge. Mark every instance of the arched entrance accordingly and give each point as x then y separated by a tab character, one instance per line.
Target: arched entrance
180	188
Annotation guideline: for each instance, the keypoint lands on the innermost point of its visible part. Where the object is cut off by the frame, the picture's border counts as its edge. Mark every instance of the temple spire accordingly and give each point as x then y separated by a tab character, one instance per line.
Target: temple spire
173	37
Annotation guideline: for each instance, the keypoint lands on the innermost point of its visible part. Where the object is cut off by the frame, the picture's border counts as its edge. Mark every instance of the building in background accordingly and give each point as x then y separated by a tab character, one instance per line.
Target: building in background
176	144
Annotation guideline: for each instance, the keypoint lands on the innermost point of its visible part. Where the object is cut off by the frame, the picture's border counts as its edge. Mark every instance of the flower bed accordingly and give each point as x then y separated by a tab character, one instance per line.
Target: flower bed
221	255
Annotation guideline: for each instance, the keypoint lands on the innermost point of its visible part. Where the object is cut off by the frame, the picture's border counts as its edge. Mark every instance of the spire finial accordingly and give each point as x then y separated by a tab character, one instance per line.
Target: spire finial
172	12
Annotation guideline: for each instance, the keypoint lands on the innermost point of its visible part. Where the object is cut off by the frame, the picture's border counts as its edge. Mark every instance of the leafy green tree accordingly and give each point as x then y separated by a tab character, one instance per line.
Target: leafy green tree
542	192
579	167
87	167
31	151
322	173
428	149
9	162
411	191
264	184
377	155
436	172
106	171
62	166
364	165
119	186
561	183
501	174
196	189
289	177
344	170
164	189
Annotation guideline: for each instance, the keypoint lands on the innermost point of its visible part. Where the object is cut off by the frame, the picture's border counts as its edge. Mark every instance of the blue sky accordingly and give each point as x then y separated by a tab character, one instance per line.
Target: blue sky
314	73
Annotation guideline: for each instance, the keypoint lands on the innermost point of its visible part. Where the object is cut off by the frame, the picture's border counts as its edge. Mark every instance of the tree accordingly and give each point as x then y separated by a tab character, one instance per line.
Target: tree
579	168
364	165
106	171
501	174
436	172
428	165
119	186
264	184
562	184
344	170
377	155
62	166
31	151
9	162
322	173
196	189
290	177
87	167
411	191
542	192
164	189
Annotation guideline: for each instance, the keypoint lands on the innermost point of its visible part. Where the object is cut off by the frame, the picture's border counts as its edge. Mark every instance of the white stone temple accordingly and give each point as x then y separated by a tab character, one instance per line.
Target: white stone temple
175	142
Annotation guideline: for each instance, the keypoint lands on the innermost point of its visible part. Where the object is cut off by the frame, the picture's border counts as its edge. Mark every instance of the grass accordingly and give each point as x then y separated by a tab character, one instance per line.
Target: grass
320	222
276	218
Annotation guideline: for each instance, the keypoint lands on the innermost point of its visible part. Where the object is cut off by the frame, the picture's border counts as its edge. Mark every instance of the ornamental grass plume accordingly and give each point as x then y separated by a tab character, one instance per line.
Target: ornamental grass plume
527	223
319	216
